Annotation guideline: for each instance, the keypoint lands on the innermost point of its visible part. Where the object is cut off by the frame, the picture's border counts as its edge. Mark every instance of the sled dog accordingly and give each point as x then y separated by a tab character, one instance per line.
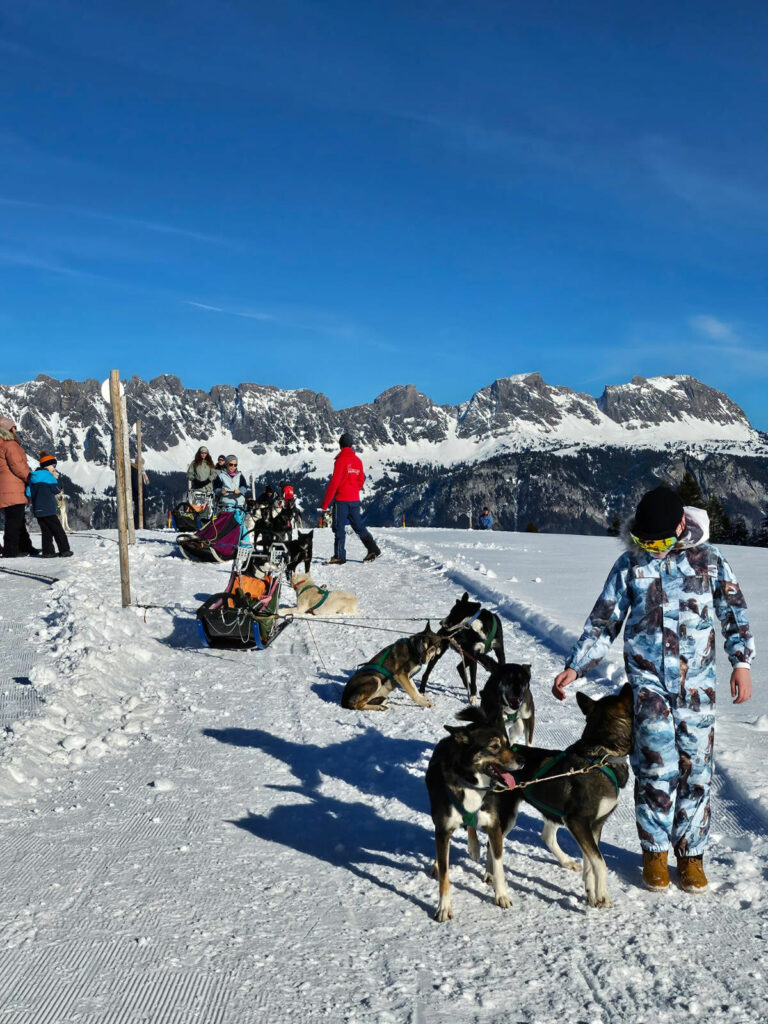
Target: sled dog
581	802
61	505
463	768
299	550
314	600
371	684
475	630
507	700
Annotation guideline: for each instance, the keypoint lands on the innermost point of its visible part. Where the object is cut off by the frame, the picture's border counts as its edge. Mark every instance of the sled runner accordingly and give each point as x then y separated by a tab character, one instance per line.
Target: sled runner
245	615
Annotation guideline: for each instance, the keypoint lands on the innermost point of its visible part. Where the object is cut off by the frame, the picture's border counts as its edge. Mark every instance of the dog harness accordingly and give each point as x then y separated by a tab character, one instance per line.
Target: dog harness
320	590
468	818
596	761
468	636
378	665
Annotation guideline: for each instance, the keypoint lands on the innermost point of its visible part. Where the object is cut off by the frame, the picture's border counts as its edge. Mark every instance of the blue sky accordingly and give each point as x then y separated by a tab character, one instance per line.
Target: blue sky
350	194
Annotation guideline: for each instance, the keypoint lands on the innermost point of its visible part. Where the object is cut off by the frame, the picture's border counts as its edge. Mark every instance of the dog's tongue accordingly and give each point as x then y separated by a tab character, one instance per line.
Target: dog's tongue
508	780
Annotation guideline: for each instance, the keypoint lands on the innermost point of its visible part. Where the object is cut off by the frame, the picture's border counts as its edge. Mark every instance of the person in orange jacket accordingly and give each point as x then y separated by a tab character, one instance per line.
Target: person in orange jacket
344	490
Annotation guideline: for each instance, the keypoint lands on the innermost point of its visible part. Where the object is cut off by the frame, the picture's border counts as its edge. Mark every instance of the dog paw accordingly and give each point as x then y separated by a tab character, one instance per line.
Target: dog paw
444	913
502	900
427	703
474	700
571	865
601	902
488	878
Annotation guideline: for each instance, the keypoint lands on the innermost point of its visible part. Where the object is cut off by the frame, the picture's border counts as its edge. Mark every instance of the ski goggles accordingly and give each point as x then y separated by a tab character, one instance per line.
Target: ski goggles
656	547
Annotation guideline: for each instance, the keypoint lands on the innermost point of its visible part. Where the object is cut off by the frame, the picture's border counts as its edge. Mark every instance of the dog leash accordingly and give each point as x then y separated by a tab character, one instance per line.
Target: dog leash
604	765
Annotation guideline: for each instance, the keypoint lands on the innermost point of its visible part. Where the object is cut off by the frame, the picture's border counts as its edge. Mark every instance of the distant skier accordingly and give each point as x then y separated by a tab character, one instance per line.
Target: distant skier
669	586
486	520
344	490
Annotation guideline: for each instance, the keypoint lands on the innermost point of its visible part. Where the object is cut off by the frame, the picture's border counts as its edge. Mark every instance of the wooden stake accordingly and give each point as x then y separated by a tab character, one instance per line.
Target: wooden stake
139	476
127	461
122	508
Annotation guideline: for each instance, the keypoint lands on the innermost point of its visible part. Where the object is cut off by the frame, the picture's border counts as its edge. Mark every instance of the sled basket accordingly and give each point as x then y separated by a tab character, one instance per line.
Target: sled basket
243	617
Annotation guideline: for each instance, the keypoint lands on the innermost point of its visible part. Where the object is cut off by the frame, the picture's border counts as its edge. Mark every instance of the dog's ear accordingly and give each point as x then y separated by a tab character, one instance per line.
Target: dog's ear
525	671
585	703
465	596
458	732
627	695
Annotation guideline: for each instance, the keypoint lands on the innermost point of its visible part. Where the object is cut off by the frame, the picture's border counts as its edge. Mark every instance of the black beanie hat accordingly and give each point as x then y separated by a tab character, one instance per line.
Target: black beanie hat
346	440
658	515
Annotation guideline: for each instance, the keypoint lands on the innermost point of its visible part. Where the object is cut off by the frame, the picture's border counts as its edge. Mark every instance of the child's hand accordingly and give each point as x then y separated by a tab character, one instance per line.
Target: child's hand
567	676
741	685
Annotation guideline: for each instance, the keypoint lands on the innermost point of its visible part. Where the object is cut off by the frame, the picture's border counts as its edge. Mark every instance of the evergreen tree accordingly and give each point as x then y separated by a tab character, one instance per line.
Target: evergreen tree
719	522
614	527
531	527
690	492
760	536
739	531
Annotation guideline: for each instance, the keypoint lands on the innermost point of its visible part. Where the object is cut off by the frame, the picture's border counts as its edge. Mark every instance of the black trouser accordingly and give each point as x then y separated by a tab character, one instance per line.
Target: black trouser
52	530
16	540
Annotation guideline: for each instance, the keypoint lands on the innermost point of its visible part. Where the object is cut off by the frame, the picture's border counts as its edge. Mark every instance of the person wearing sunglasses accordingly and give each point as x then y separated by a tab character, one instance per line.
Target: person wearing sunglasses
231	486
669	586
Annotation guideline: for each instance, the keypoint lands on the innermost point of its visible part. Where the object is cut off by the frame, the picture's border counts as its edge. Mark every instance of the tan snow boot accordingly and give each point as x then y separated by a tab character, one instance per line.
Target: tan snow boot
690	874
655	870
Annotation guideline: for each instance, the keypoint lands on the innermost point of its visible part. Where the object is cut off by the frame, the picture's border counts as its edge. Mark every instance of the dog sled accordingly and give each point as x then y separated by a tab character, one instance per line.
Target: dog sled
245	617
216	541
192	514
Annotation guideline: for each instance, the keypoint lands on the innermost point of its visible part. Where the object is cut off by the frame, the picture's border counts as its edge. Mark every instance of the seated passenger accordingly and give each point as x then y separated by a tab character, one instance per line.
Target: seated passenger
231	486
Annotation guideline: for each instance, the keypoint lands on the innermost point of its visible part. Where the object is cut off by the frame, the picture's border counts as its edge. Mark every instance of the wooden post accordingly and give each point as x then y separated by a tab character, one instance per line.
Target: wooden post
122	505
139	476
127	461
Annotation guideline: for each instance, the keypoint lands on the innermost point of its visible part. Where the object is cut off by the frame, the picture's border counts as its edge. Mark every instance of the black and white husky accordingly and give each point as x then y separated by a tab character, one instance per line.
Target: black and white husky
472	630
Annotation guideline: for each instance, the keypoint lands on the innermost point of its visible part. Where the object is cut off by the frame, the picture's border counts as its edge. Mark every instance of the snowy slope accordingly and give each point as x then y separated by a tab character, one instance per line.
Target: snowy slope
192	836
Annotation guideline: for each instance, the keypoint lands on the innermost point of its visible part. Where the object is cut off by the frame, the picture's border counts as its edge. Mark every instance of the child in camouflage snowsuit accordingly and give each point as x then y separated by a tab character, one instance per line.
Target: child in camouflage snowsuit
669	585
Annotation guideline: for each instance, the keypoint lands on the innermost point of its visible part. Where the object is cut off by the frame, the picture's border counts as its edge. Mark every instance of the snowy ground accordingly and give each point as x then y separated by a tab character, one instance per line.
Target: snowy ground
192	836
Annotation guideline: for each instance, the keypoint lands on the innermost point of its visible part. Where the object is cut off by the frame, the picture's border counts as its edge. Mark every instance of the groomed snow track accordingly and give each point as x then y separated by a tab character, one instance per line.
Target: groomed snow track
250	852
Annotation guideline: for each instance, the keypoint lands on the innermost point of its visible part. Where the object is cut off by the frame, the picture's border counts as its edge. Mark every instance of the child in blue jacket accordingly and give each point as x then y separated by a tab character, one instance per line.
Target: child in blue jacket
42	488
669	586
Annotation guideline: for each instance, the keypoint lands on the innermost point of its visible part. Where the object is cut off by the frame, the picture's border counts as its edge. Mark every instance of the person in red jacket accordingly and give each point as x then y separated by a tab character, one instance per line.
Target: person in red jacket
344	490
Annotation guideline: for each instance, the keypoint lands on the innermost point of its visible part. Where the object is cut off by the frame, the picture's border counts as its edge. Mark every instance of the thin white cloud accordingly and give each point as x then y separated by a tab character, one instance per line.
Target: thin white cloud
304	320
749	359
245	315
23	259
712	327
110	218
686	175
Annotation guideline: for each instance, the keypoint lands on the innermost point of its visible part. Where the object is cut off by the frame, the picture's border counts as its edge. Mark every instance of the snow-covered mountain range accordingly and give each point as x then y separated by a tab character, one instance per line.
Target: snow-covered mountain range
531	451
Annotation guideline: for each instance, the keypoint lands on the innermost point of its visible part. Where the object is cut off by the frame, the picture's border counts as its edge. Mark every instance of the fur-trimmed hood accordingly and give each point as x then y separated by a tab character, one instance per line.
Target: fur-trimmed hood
696	530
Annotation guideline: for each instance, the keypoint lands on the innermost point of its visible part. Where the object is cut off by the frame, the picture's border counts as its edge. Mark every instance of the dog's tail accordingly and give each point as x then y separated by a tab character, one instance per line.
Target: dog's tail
475	715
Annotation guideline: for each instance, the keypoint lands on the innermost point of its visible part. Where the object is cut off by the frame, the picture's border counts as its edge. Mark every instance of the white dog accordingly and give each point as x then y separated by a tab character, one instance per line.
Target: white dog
61	504
314	600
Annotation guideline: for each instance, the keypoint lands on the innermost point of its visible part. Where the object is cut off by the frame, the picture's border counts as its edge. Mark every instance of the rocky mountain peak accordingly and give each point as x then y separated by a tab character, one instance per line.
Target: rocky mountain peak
668	399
